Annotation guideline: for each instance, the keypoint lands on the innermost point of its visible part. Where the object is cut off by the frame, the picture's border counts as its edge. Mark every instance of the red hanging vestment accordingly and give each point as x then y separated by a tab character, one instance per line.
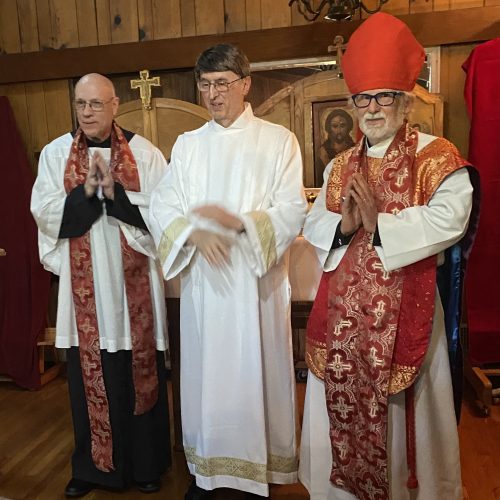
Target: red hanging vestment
482	96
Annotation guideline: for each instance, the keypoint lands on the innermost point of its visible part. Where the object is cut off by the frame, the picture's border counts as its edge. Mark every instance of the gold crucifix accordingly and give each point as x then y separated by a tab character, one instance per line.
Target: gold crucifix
144	85
338	47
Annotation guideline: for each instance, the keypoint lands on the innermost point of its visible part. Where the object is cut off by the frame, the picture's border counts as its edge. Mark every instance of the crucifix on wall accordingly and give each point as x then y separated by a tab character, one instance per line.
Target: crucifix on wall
144	85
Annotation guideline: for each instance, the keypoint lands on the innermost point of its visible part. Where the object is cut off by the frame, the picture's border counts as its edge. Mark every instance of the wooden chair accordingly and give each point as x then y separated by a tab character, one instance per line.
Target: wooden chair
50	365
49	368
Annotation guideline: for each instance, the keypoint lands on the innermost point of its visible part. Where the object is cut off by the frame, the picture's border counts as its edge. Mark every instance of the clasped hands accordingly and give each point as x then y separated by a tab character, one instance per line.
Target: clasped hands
358	208
215	248
99	174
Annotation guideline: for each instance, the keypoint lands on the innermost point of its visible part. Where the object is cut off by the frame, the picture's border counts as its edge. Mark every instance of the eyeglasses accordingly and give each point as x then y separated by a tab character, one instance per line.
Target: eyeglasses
94	105
382	99
219	85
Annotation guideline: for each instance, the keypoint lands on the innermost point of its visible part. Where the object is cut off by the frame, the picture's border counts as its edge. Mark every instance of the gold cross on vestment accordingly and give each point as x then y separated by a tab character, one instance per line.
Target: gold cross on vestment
144	85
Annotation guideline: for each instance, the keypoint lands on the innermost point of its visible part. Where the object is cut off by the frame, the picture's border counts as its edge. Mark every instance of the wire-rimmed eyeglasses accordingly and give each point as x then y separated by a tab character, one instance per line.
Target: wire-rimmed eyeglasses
381	98
94	104
218	85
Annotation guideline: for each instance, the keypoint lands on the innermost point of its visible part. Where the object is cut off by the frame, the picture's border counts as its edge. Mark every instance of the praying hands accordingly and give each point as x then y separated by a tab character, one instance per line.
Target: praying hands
99	175
358	207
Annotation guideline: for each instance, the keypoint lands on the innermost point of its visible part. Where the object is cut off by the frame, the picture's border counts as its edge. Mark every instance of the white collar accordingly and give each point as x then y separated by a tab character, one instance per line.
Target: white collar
241	122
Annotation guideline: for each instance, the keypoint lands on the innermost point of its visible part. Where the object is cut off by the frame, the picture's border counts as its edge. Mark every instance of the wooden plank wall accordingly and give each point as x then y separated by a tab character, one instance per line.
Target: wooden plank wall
42	108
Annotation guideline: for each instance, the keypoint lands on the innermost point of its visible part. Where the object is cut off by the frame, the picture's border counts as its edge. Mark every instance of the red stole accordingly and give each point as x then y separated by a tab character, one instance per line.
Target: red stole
138	290
369	329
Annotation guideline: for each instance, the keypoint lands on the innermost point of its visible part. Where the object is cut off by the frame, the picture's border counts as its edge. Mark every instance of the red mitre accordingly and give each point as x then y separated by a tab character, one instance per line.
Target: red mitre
382	54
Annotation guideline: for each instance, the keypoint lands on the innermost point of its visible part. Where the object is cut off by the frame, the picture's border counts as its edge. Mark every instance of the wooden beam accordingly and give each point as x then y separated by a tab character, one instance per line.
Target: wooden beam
311	40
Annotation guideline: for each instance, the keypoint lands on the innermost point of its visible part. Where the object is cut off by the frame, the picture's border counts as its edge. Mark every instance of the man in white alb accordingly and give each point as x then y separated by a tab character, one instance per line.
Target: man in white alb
223	218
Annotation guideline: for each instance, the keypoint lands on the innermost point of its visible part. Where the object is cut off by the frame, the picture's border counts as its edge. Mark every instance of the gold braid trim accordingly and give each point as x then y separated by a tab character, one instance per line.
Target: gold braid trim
265	231
285	465
169	236
316	358
401	377
237	467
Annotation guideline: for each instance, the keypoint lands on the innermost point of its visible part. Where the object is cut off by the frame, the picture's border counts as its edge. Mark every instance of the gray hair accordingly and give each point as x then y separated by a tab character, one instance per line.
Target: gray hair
222	57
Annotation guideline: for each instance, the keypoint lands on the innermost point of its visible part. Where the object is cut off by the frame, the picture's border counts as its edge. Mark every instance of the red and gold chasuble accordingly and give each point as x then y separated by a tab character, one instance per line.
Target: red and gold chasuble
369	329
136	278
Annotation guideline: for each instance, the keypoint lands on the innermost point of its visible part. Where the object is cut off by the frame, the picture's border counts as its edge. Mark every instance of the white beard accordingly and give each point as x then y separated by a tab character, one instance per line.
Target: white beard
391	125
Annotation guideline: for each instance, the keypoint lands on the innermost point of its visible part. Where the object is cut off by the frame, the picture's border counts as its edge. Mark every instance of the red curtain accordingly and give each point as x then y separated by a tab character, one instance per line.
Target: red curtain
24	284
482	96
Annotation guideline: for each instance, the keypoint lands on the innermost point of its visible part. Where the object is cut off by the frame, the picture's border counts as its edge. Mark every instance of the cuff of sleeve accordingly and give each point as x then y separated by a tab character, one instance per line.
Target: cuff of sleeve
376	238
340	240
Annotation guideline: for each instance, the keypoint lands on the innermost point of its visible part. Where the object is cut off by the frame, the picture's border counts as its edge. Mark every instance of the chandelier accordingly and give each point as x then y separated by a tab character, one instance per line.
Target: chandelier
338	10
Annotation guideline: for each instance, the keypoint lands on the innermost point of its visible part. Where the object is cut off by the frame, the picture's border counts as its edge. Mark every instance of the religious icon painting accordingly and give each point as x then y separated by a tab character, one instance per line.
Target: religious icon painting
334	130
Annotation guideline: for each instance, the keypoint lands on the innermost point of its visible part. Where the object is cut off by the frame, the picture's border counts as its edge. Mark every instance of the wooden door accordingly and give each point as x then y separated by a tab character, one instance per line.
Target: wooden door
164	122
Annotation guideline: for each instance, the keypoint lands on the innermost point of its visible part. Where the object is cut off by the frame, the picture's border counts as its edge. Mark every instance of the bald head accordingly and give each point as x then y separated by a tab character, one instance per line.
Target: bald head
98	81
96	106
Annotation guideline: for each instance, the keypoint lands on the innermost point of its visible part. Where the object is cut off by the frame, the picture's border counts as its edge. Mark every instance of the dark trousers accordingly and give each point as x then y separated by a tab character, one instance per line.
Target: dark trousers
141	443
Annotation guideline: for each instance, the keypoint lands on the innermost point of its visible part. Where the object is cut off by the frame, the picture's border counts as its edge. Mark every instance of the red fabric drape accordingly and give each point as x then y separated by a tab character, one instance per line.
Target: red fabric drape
482	96
24	284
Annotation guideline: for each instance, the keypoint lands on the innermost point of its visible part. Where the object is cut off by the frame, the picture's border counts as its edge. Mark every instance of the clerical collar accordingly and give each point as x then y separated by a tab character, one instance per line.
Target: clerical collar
241	122
107	142
378	150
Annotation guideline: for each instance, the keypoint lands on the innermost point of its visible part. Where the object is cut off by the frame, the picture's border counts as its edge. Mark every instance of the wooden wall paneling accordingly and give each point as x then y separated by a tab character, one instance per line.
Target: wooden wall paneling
265	84
10	40
28	25
179	85
278	109
392	7
235	16
253	11
421	6
87	23
397	7
103	18
64	24
439	5
209	17
298	19
292	42
145	20
57	107
465	4
188	18
45	35
491	2
124	21
167	19
37	117
456	121
275	14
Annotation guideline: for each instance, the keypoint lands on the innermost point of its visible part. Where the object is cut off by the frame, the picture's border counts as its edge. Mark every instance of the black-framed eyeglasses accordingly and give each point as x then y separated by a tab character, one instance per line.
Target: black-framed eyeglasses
94	104
218	85
381	98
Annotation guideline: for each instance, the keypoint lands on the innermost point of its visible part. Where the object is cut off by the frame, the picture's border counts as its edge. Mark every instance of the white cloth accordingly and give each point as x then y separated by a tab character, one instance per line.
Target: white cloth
237	378
47	205
411	235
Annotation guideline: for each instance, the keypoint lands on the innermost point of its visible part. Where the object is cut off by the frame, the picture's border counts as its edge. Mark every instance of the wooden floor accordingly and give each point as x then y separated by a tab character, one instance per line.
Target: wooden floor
36	443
